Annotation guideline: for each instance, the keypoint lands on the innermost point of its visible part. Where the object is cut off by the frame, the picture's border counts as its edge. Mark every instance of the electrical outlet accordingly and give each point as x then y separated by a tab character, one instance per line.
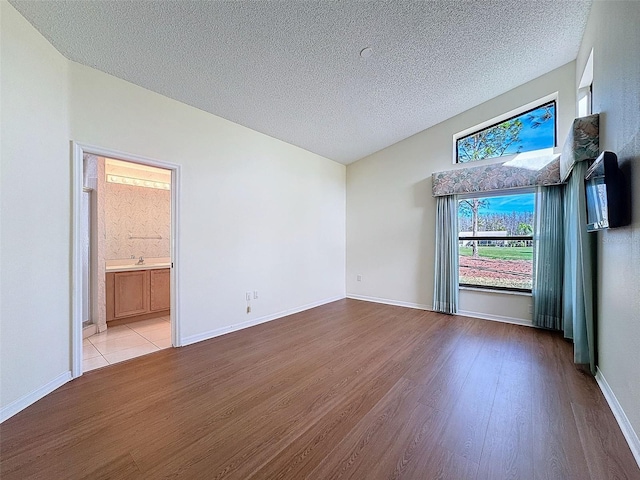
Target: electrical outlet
248	297
248	308
359	278
255	294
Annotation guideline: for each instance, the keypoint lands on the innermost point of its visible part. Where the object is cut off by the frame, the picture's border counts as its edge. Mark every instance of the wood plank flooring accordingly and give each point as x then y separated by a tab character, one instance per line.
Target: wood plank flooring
349	390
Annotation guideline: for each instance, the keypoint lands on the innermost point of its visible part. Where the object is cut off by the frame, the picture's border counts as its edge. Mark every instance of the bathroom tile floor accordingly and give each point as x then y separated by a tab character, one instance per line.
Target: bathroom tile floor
123	342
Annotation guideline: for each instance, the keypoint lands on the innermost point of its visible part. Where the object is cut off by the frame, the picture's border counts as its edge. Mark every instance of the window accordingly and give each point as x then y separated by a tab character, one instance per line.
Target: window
533	129
585	106
584	101
496	241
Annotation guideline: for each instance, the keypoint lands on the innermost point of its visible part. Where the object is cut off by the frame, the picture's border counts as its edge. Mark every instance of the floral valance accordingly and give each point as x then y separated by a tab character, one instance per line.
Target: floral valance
522	171
581	144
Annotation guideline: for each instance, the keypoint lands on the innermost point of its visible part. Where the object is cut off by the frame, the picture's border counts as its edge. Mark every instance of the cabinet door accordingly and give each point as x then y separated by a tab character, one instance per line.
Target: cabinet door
160	289
131	293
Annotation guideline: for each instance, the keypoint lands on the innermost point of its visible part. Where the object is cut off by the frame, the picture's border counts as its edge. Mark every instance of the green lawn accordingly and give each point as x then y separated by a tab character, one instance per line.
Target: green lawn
501	253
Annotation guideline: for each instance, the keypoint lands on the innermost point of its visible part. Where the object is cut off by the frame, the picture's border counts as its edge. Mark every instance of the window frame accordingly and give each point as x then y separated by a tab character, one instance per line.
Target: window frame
498	193
585	88
524	109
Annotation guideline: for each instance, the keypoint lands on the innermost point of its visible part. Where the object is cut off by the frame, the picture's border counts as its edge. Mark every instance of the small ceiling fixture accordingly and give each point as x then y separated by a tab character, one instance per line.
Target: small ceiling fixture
366	52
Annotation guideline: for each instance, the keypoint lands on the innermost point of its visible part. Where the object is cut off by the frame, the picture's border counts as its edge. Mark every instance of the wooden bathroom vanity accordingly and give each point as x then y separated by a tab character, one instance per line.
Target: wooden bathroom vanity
137	294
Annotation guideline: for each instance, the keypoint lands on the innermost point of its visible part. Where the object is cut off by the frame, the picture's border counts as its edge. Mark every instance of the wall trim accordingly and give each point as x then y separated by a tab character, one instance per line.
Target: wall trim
496	318
625	425
200	337
30	398
386	301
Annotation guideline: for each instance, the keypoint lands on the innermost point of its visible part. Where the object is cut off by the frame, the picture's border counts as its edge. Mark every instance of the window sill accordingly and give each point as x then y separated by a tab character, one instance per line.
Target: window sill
489	290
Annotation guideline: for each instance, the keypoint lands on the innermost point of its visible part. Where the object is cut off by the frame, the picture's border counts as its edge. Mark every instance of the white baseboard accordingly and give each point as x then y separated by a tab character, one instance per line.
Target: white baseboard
386	301
625	425
29	399
496	318
89	330
464	313
255	321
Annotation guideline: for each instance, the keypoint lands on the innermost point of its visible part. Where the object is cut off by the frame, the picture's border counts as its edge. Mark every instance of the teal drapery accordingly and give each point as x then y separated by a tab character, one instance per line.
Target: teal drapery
548	257
579	321
445	290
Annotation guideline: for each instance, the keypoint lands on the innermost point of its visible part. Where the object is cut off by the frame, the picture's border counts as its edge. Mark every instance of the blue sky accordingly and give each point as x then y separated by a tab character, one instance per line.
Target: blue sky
512	203
507	204
543	136
534	138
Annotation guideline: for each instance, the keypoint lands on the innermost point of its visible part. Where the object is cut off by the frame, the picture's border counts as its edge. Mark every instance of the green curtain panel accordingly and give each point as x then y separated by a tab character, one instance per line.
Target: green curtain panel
548	258
445	290
579	272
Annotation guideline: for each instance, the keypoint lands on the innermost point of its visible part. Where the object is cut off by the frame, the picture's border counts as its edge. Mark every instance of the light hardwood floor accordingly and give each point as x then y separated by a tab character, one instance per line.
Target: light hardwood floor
347	390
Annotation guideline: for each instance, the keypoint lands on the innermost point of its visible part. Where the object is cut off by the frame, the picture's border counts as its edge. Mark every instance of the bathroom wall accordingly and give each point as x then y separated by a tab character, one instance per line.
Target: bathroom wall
132	211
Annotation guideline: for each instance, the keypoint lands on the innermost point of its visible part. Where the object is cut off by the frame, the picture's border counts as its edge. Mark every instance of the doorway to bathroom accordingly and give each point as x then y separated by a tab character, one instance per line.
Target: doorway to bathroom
125	254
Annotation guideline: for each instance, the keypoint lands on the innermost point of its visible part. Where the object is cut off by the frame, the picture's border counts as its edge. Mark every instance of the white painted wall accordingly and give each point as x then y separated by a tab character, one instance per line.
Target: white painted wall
613	34
35	207
256	213
391	213
494	305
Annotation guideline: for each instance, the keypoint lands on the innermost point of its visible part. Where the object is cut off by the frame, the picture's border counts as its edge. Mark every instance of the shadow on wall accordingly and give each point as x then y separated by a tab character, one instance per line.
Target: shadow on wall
625	161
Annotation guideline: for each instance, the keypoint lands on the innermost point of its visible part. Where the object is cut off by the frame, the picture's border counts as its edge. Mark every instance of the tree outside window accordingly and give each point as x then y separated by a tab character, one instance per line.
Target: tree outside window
496	242
528	131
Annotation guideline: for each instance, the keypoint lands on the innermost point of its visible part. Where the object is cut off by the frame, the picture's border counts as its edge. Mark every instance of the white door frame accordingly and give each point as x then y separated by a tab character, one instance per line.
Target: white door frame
79	150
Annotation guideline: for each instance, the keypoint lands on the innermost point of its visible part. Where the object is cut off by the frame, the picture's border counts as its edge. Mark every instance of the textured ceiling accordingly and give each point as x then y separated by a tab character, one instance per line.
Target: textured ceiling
292	69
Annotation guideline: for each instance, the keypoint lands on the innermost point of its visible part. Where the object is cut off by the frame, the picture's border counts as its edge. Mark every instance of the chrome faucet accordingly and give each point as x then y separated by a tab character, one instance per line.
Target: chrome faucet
140	261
